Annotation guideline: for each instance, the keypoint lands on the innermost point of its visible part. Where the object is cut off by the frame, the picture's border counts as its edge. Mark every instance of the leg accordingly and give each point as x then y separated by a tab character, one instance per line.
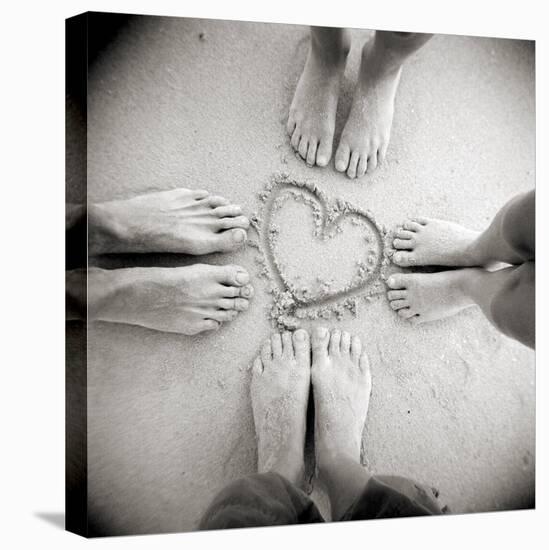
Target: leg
510	238
506	297
177	221
341	385
185	300
311	122
365	138
280	393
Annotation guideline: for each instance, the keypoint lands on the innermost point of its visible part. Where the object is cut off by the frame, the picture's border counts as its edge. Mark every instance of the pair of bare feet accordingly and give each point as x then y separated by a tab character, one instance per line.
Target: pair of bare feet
423	297
365	138
336	367
185	300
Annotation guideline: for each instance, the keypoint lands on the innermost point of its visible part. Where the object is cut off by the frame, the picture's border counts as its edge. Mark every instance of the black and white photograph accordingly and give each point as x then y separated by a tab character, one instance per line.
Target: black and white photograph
300	274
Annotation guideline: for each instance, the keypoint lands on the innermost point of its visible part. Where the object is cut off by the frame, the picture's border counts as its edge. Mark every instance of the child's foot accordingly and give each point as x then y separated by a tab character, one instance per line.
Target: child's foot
342	384
365	138
426	241
185	300
180	221
424	297
280	394
311	122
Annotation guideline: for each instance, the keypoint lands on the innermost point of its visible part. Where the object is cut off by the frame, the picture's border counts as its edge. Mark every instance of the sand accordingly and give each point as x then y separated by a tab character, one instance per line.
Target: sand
203	104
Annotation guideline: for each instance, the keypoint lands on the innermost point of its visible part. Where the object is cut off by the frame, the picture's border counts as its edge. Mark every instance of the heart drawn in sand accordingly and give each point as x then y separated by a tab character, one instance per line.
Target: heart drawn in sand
319	251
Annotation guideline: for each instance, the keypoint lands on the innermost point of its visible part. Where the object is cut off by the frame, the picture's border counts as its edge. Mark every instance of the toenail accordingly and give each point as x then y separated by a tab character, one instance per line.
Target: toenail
340	166
242	277
322	332
245	292
391	281
300	335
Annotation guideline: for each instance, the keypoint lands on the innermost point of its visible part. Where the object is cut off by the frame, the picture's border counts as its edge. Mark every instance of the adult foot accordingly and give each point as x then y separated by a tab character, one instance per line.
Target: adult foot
342	383
427	241
365	137
311	122
424	297
280	393
186	221
186	300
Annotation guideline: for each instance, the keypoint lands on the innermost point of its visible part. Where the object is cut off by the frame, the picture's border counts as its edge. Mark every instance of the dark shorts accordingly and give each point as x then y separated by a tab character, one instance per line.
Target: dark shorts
270	499
513	307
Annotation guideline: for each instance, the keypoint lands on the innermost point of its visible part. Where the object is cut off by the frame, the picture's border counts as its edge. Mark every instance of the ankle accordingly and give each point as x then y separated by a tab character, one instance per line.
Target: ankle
333	55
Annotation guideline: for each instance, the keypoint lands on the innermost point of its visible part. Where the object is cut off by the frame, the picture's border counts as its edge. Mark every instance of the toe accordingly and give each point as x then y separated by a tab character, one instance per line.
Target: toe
228	211
353	163
397	281
323	153
397	294
345	343
335	342
356	348
404	234
382	153
237	222
290	125
362	166
257	366
302	347
404	259
399	304
238	304
208	325
231	239
321	337
303	145
266	351
342	157
199	194
405	313
223	315
233	274
421	220
287	345
311	152
215	201
372	161
276	345
246	291
296	136
403	244
364	363
411	226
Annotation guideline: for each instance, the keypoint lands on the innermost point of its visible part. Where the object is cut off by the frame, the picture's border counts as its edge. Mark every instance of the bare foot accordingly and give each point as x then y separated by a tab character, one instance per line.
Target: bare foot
365	138
280	394
186	221
342	384
311	122
427	241
186	300
424	297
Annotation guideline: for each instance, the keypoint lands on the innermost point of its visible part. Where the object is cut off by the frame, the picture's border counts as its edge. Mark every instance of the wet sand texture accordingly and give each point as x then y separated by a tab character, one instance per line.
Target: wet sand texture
170	419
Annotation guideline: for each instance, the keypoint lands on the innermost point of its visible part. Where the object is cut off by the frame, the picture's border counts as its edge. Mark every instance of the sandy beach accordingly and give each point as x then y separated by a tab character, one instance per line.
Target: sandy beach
203	104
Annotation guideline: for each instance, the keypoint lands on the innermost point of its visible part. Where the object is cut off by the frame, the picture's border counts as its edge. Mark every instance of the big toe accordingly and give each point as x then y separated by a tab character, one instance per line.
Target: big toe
343	154
323	153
